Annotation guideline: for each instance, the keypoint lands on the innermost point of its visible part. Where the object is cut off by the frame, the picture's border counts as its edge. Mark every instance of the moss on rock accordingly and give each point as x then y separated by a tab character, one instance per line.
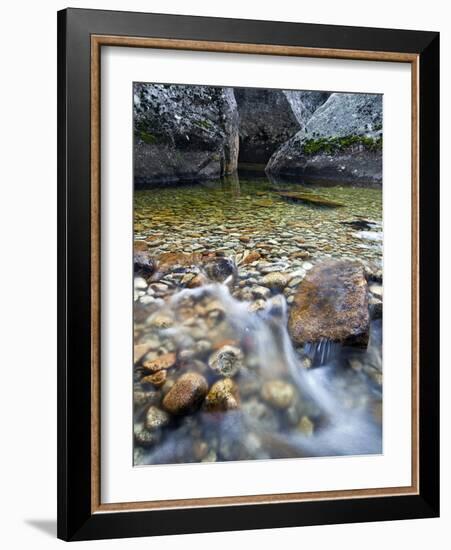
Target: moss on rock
334	144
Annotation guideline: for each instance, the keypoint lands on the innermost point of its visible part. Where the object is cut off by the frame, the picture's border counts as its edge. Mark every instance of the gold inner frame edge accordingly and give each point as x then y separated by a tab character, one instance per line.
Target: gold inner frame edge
97	41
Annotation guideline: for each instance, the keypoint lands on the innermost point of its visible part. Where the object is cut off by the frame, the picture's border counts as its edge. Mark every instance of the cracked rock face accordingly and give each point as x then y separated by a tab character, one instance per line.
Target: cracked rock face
268	118
341	140
266	121
304	104
346	114
183	133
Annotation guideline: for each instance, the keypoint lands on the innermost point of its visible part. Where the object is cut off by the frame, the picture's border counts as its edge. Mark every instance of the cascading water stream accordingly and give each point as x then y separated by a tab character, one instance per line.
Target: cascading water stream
326	396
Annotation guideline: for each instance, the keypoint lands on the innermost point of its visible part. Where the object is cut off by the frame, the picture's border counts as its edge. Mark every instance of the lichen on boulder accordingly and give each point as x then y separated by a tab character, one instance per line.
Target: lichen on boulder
341	141
183	133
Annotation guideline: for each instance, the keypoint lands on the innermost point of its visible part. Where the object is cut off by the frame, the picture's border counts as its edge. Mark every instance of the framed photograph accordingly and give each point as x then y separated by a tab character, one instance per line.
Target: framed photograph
248	274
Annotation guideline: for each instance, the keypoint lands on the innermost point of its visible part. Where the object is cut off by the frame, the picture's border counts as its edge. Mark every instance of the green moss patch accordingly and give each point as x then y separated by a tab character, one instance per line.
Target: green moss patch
336	144
147	137
142	133
207	124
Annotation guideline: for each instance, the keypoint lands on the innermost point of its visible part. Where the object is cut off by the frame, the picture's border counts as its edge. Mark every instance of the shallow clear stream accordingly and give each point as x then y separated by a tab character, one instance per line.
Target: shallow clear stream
334	403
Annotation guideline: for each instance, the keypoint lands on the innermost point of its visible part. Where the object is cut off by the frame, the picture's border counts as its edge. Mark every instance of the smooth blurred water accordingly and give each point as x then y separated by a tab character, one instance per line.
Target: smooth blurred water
339	401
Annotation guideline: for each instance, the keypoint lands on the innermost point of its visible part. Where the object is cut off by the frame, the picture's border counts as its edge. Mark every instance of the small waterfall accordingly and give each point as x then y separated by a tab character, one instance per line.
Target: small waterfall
322	352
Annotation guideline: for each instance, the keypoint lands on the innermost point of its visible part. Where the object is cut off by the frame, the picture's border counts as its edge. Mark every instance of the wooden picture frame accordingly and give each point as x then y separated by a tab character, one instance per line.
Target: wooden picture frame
81	35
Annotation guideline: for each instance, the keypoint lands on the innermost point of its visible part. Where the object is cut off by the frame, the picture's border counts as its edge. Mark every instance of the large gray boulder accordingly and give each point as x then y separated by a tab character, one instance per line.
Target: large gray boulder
304	104
268	118
183	133
342	140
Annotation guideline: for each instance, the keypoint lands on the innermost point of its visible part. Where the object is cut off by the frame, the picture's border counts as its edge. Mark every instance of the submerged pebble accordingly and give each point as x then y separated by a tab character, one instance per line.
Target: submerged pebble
278	393
186	395
275	280
306	426
156	418
226	361
222	396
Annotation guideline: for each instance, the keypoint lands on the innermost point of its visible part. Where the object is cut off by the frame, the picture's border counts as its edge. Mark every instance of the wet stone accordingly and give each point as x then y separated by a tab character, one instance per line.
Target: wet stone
161	320
165	361
156	418
142	398
226	361
139	456
140	283
198	280
278	393
260	292
140	350
220	269
143	264
222	396
144	437
260	415
146	299
376	290
275	280
306	426
257	305
211	456
331	304
159	287
200	449
186	395
156	379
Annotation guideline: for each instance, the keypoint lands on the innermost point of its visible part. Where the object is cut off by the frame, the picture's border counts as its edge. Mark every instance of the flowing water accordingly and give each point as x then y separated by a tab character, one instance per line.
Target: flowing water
320	399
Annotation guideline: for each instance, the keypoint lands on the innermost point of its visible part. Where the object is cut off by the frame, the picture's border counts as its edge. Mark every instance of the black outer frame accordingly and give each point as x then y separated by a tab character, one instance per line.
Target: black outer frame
75	520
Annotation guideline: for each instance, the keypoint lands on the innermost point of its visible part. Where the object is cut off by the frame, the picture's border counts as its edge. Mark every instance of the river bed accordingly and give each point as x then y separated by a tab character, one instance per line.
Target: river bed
220	333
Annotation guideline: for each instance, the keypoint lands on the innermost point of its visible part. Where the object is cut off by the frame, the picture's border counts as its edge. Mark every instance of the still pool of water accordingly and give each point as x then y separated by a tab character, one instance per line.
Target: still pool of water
197	217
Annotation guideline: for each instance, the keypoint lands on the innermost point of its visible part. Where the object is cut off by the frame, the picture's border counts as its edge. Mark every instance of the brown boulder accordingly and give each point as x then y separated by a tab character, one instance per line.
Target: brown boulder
186	395
331	303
